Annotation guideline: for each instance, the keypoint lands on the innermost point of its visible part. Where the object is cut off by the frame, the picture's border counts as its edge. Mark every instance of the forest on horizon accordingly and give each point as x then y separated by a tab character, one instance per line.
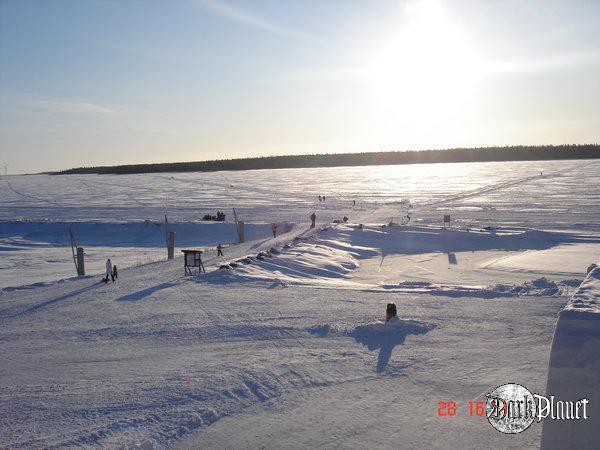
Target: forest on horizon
454	155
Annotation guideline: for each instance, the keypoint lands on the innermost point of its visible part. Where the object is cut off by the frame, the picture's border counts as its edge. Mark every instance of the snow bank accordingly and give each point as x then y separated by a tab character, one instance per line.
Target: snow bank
342	255
574	367
540	287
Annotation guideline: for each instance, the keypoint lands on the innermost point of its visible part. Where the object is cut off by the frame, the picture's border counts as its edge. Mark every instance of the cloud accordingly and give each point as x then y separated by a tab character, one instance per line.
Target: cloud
71	107
244	17
26	112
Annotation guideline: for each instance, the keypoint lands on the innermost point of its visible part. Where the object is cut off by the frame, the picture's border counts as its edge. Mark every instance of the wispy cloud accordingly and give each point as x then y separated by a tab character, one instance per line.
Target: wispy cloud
71	107
45	113
310	43
227	11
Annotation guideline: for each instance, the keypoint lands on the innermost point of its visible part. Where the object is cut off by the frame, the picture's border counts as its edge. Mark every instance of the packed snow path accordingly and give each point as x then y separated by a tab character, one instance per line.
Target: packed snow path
158	359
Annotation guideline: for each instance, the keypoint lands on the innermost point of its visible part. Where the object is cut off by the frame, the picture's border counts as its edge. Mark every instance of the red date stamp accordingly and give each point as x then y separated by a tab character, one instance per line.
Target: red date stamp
451	409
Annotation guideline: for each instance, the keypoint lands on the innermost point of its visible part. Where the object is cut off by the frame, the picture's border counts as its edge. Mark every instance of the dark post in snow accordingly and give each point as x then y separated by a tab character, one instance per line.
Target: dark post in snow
241	231
78	255
239	227
80	262
171	245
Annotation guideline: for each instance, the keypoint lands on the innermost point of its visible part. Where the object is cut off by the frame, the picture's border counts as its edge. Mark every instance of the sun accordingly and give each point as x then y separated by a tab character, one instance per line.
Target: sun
425	63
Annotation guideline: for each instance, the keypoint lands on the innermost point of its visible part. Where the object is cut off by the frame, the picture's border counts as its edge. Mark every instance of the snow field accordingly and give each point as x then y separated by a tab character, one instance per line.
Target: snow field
287	350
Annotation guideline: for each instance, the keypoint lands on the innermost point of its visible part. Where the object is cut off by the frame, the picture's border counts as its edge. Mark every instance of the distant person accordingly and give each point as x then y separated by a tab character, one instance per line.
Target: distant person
219	250
353	202
323	198
313	219
274	229
115	274
345	219
391	313
320	199
108	270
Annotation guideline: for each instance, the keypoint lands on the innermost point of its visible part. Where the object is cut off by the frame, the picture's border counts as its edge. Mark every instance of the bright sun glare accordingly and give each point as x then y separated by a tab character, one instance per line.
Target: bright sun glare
426	63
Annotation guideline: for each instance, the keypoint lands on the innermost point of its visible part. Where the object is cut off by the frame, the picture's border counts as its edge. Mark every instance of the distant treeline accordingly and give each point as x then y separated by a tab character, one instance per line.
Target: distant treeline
454	155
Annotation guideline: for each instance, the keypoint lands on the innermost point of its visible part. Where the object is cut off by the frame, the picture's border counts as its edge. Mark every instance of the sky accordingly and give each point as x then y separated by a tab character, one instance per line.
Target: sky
105	82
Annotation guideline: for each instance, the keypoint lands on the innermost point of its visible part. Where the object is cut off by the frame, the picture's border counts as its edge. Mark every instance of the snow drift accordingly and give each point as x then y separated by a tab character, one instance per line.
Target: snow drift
574	367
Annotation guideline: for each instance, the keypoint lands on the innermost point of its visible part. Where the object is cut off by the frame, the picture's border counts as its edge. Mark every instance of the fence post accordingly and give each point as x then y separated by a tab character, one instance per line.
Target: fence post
80	262
241	231
171	245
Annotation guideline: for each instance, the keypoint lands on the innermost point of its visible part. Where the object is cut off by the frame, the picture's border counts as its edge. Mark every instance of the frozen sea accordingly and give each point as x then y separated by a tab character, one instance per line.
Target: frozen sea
36	211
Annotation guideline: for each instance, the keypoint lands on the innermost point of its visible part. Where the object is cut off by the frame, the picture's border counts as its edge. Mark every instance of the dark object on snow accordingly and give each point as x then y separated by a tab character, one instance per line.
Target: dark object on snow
287	246
220	217
274	251
337	221
233	264
390	311
225	266
109	272
260	257
345	219
219	250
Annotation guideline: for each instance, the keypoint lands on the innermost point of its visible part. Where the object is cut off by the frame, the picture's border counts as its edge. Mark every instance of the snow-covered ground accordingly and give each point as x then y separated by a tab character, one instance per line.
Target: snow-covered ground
283	346
36	211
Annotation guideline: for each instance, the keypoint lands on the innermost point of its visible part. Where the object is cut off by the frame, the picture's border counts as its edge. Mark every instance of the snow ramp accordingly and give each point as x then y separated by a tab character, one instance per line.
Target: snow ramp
574	367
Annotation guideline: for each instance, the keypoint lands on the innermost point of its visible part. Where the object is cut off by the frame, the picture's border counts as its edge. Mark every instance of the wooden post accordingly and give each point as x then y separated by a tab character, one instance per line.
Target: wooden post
241	231
80	262
171	245
447	220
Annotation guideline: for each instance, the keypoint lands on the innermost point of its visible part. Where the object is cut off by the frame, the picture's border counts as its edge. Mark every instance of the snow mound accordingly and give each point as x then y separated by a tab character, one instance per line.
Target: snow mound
305	261
384	336
390	328
539	287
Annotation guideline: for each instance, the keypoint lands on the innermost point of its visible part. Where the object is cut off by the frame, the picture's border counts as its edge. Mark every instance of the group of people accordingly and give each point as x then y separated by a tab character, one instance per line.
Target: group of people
111	271
321	198
220	217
